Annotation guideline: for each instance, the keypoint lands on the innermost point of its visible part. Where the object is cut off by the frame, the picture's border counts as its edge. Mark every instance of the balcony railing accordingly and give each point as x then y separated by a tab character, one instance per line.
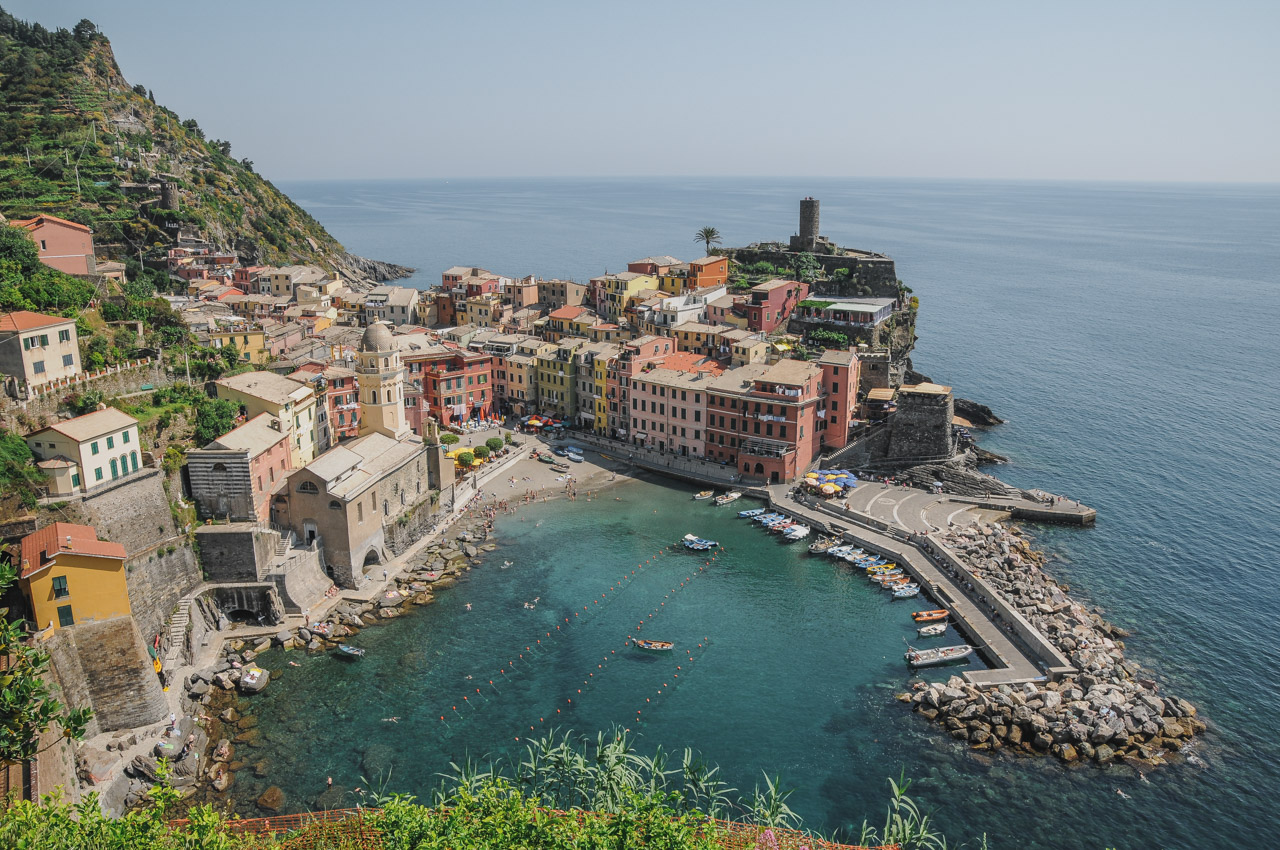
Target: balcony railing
765	448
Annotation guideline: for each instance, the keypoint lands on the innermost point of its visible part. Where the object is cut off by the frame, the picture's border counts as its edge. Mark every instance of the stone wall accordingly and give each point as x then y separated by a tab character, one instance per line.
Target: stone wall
259	600
922	428
123	690
877	273
409	527
236	552
42	409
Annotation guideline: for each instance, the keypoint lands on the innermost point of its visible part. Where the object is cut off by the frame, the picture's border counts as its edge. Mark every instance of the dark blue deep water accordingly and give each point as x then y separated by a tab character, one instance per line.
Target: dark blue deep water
1129	335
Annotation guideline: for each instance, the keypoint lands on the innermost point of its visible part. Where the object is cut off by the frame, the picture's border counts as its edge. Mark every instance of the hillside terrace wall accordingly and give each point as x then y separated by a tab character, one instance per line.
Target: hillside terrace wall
112	381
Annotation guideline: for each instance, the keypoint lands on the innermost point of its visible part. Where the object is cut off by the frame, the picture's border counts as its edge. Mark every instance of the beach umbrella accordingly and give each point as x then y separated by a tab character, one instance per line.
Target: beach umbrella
813	475
829	489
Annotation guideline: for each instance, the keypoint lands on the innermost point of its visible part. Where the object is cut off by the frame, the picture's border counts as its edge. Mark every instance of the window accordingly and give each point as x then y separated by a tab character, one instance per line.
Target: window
38	367
93	448
308	487
360	513
75	479
60	587
335	505
133	460
111	442
124	438
44	340
97	474
65	617
115	470
68	360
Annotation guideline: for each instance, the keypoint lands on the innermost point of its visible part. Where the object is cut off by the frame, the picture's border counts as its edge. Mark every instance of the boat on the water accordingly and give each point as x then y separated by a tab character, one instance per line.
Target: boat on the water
932	631
253	679
821	545
763	518
840	551
348	651
887	578
941	655
728	497
796	532
697	544
751	512
707	494
777	527
930	616
654	645
906	591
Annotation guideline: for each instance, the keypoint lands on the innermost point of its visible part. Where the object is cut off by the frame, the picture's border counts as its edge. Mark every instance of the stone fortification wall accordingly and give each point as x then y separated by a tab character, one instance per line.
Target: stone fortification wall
410	526
123	690
237	552
922	428
300	579
876	273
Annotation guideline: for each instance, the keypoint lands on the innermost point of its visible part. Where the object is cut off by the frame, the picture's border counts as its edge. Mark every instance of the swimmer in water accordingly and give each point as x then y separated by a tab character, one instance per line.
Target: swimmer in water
1122	794
468	606
294	664
468	675
391	720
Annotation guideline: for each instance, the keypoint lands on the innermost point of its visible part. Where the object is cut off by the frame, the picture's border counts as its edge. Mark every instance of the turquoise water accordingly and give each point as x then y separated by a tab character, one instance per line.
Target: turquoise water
1127	334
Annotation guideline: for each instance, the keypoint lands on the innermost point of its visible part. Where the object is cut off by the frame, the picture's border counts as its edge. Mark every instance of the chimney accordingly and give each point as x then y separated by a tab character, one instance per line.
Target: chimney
275	424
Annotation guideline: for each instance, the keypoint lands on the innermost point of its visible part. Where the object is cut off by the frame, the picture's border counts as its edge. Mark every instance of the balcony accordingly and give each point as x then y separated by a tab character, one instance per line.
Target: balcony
765	448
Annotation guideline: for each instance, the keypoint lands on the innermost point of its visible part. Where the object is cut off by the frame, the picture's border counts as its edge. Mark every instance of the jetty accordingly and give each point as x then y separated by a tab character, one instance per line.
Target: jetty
1014	649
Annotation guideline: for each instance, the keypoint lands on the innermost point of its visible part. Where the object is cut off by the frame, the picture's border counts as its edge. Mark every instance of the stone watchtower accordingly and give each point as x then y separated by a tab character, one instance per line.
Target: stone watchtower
381	382
809	236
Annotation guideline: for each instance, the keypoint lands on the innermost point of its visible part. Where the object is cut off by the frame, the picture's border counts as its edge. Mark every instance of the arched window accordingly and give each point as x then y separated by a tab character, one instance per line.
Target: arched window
335	505
308	487
219	467
133	459
375	396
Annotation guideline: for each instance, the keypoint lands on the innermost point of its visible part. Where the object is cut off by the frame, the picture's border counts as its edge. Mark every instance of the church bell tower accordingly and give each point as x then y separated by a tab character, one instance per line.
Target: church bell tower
381	381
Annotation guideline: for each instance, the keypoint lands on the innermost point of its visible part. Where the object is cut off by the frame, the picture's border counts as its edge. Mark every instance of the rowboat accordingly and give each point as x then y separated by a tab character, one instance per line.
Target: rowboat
821	545
728	497
654	645
707	494
697	544
769	517
777	527
752	512
882	578
881	569
930	616
941	655
796	532
894	581
575	457
348	651
561	467
841	551
906	591
547	458
775	520
932	631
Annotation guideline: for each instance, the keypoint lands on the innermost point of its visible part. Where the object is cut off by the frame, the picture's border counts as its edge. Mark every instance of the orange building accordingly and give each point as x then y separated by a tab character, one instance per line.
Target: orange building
61	244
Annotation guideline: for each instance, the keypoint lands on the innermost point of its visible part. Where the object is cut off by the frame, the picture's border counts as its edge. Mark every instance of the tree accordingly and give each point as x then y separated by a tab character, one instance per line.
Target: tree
85	402
27	706
466	459
495	444
447	439
708	236
231	355
214	417
19	475
481	452
806	267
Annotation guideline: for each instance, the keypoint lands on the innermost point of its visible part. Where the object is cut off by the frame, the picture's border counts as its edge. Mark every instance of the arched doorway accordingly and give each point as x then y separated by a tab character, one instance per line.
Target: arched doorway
760	470
371	559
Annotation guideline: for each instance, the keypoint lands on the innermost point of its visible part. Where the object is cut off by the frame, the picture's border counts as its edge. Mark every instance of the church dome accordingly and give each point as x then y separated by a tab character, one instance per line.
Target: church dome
377	337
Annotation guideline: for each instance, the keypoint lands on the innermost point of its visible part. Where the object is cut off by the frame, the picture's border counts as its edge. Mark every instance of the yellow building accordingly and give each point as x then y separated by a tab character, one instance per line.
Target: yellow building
251	342
293	404
88	451
522	374
600	373
615	289
556	373
70	576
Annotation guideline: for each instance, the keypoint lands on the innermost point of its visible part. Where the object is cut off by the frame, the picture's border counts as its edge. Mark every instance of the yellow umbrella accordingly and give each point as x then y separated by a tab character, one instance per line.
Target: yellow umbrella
811	475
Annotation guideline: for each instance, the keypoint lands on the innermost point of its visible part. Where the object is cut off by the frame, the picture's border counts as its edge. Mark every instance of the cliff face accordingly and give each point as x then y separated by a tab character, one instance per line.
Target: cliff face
77	141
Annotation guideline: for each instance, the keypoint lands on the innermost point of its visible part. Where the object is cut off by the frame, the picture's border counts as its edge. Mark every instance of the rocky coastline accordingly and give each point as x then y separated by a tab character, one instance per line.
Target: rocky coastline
364	269
1105	713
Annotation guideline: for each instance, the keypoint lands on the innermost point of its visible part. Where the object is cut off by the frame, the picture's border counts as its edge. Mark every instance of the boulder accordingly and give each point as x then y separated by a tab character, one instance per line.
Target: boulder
223	751
1103	754
229	715
1066	752
1052	699
1042	741
949	694
97	766
220	777
271	800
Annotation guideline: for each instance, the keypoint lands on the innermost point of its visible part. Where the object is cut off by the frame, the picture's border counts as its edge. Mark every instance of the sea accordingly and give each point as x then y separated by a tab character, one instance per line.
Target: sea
1126	332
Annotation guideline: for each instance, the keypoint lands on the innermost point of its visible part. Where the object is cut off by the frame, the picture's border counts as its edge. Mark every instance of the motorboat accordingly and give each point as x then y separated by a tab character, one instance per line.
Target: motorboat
561	451
840	551
561	467
751	513
707	494
906	591
932	631
822	544
728	497
930	616
654	645
545	458
941	655
348	651
775	520
253	679
697	544
881	578
779	527
796	532
764	518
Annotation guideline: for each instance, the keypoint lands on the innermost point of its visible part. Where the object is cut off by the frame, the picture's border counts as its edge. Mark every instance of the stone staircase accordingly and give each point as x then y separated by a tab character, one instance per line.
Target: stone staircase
178	633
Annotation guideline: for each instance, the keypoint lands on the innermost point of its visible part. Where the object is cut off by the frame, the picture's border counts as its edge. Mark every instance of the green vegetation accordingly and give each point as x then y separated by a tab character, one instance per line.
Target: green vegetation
27	706
495	444
828	339
806	267
28	284
815	304
481	452
19	475
466	459
447	439
708	236
214	417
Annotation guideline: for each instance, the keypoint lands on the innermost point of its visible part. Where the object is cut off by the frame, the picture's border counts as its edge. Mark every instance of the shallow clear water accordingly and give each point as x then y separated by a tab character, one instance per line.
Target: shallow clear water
1127	334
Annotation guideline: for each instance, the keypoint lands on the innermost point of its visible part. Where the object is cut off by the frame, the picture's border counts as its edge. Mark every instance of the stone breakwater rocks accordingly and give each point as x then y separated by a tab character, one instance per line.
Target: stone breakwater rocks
1103	713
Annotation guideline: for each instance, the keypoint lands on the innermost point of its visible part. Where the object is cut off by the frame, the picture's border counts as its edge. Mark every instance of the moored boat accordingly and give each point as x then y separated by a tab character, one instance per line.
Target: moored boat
941	655
348	651
763	518
930	616
906	591
575	457
796	532
697	544
707	494
561	467
932	631
821	545
654	645
728	497
752	512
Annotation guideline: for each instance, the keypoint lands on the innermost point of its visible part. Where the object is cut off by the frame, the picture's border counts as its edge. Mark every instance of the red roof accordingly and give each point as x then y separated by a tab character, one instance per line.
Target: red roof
568	312
25	320
33	223
690	361
40	546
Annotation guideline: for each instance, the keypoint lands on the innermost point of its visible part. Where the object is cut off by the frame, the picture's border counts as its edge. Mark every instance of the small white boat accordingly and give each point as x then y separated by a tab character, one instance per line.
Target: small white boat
822	544
706	494
907	591
932	631
576	458
942	655
697	544
796	532
728	497
752	512
764	519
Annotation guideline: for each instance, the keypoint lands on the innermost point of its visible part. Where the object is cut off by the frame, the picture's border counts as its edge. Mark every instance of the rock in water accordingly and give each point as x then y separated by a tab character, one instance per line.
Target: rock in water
271	800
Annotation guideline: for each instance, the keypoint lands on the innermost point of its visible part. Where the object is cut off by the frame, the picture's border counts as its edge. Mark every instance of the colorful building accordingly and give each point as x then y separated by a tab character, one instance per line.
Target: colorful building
293	404
36	349
63	245
557	379
452	385
611	292
770	304
88	451
233	477
69	576
634	357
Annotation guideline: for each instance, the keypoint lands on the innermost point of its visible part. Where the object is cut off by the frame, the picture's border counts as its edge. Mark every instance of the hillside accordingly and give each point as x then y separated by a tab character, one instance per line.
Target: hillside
77	141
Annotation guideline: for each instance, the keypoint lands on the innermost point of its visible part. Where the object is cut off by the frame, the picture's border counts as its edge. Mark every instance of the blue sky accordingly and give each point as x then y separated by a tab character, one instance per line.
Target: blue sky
379	89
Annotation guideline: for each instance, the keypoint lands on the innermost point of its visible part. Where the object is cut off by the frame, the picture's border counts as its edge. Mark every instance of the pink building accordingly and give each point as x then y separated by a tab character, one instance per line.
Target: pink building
636	354
771	303
61	244
668	407
840	376
234	476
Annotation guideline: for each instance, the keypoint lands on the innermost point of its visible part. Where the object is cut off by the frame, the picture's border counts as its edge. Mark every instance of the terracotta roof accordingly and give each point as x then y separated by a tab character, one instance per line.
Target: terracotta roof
568	313
25	320
92	425
33	223
64	537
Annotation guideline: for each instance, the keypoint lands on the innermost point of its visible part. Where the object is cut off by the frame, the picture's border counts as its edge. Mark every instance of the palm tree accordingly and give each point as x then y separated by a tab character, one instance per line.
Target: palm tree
708	236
